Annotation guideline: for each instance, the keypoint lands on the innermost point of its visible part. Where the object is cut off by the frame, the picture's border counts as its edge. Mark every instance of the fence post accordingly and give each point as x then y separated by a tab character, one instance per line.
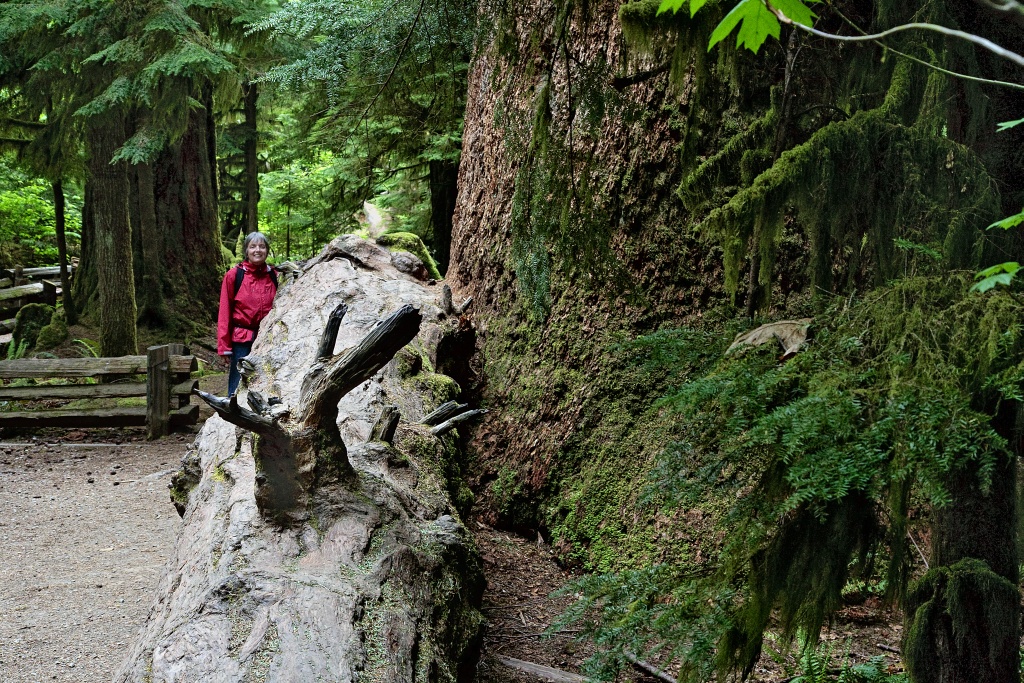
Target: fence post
158	391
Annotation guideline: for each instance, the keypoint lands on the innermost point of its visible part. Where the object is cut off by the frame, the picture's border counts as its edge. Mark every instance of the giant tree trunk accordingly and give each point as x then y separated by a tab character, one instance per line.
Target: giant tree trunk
186	242
252	171
112	238
312	548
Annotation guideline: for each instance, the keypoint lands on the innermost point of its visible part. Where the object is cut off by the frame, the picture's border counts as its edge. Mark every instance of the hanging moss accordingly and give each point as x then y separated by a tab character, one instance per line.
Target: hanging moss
897	395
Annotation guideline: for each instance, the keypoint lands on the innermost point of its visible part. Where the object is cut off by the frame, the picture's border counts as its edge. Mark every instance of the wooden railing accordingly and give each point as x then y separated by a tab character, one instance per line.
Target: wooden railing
167	388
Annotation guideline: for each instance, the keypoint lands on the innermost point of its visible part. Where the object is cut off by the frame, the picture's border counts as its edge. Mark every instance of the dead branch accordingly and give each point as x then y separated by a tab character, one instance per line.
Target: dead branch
444	412
449	425
330	335
230	411
385	426
327	382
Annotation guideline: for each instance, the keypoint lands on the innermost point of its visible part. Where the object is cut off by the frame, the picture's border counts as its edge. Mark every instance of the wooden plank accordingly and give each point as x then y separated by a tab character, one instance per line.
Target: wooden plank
49	295
134	416
44	272
73	391
20	291
189	415
72	367
544	673
88	367
158	391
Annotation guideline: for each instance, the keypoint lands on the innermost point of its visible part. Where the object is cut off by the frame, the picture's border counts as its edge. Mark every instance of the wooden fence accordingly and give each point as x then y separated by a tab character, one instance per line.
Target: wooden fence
23	286
167	388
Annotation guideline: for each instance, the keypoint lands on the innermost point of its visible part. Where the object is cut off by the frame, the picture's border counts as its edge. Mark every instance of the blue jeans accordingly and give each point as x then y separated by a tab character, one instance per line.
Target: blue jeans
238	350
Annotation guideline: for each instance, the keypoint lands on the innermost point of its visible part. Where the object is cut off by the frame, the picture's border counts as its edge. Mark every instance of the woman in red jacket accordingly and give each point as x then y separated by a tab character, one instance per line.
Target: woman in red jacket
246	295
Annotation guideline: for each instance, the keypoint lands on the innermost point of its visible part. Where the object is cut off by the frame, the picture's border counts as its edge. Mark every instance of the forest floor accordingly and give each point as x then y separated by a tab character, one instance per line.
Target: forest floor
87	528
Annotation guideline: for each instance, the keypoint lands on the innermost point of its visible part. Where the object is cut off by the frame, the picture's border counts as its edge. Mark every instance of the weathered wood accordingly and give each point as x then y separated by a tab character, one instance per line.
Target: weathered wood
326	383
330	336
444	412
454	422
290	567
6	282
229	410
184	388
20	291
88	367
73	391
8	325
158	391
49	295
385	426
544	673
131	416
43	273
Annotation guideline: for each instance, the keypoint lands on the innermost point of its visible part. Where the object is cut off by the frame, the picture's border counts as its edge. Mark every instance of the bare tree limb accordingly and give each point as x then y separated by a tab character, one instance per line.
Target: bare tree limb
443	412
330	335
451	424
325	385
230	411
963	35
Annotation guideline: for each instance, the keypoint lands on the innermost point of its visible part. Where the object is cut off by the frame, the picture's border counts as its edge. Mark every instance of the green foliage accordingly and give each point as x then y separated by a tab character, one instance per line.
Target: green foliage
383	88
27	236
895	396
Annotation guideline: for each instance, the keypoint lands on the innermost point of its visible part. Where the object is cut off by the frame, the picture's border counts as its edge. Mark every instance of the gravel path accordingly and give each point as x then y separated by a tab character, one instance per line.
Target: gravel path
85	530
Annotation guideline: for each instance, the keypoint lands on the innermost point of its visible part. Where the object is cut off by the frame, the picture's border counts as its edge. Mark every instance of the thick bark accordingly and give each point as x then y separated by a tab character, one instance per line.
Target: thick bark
70	313
251	147
186	212
310	551
152	309
112	247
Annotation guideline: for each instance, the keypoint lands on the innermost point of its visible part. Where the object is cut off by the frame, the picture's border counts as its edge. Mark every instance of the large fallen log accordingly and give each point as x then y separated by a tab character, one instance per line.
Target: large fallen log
309	552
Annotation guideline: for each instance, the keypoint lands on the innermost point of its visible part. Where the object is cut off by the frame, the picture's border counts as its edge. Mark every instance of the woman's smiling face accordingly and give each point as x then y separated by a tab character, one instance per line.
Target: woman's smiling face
256	252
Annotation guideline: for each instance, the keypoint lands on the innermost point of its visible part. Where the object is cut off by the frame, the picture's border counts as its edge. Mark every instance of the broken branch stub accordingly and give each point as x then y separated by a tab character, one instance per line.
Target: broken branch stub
324	386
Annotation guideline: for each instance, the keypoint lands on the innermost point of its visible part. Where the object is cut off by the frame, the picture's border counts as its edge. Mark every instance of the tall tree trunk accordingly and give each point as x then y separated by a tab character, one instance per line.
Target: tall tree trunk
70	313
84	286
185	205
443	182
252	175
113	234
152	309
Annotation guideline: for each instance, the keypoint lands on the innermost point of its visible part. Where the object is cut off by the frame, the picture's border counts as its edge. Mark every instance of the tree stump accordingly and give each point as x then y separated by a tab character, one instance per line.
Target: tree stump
310	552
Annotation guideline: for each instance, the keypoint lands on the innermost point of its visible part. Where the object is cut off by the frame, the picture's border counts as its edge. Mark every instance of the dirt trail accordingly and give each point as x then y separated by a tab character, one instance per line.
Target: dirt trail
86	528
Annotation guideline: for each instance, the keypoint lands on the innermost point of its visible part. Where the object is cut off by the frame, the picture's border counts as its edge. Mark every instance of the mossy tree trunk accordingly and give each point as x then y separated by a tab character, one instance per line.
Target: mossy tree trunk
963	616
112	236
251	148
187	243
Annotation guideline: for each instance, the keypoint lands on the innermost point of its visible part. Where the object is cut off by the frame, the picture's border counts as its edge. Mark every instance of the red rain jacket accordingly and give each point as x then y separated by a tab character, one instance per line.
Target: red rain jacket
240	314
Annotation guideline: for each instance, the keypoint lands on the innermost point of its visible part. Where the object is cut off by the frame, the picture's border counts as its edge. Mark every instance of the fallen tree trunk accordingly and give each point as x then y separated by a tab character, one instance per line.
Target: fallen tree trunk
309	551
